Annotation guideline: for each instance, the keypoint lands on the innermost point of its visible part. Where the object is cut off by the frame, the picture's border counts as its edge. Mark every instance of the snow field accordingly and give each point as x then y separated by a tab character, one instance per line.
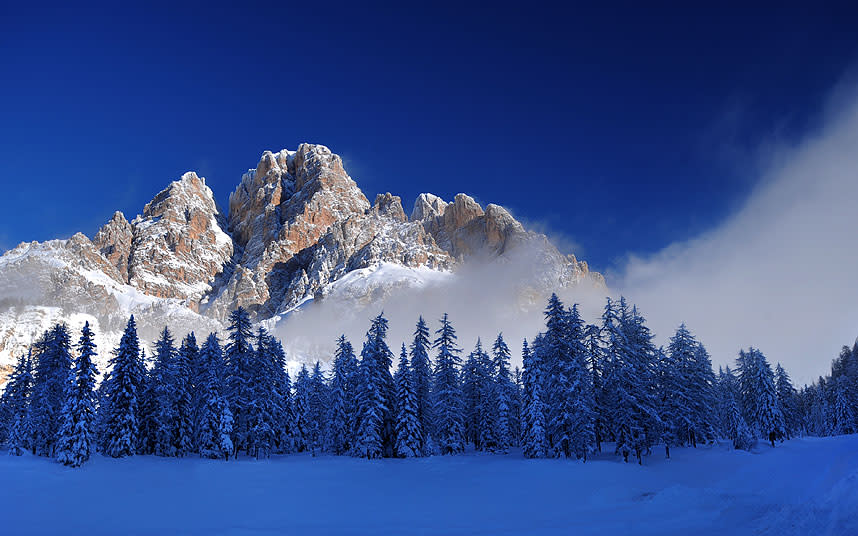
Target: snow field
803	486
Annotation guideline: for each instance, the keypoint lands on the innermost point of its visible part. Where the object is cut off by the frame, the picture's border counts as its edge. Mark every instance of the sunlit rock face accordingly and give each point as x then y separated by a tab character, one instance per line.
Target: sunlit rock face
297	224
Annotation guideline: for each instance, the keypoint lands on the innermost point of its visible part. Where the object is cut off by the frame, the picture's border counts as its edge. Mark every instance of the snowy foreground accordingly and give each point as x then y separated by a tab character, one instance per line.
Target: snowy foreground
804	486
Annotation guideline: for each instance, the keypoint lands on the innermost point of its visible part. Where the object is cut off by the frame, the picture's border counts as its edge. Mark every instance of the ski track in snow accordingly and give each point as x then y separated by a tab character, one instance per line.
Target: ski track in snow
804	486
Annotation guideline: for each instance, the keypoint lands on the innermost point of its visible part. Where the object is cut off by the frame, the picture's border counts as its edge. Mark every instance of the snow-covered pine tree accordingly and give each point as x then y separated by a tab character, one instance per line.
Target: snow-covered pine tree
630	380
342	412
182	397
408	431
733	424
739	432
844	418
16	406
746	369
644	385
472	380
377	434
214	426
670	401
767	417
503	392
318	407
261	412
161	396
282	397
239	379
51	378
197	390
290	420
516	408
447	407
121	392
568	382
583	434
704	396
676	390
487	408
147	407
822	416
555	358
302	410
422	368
76	440
593	347
533	412
787	402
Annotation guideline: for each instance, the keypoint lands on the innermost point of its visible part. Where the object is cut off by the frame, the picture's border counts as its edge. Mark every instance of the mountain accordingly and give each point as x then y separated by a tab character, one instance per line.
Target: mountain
298	230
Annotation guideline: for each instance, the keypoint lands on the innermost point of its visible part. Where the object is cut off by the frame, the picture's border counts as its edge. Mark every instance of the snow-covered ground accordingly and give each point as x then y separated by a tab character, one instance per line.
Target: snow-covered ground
805	486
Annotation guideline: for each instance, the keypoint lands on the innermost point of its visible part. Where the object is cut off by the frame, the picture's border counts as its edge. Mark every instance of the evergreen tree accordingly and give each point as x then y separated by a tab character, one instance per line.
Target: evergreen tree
340	435
214	426
262	410
630	381
473	378
51	379
740	433
182	398
703	395
377	435
671	399
593	347
76	439
503	392
16	406
282	399
582	433
303	411
787	402
239	357
121	392
408	431
161	397
569	395
197	388
290	433
844	418
533	413
447	393
318	407
422	368
767	417
147	407
676	375
516	408
487	408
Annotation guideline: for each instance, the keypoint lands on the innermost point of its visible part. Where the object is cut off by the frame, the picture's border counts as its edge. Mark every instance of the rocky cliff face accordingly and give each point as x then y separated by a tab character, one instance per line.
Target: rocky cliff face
297	224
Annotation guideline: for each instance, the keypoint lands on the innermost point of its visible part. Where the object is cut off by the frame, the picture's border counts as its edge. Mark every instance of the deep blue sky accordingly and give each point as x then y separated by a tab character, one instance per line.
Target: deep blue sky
619	130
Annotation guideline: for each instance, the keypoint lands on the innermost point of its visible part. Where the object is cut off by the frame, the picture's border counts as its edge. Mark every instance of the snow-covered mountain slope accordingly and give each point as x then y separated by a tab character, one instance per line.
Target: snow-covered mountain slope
299	229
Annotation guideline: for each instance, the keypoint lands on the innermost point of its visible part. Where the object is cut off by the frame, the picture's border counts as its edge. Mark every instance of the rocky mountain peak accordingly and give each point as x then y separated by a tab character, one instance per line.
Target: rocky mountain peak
113	241
176	247
390	206
428	207
298	227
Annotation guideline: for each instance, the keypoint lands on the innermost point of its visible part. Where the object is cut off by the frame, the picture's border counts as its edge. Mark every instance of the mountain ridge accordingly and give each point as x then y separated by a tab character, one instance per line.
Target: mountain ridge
296	224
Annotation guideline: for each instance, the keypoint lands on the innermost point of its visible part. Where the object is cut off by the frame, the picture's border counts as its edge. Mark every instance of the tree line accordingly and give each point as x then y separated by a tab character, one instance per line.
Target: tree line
581	387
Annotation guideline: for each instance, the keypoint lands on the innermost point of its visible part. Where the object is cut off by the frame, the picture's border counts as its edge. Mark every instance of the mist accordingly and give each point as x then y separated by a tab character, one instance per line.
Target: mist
778	274
482	298
781	273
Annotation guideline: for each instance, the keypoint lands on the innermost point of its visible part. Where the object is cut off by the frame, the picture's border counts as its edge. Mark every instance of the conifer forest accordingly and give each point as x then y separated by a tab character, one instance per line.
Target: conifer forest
582	388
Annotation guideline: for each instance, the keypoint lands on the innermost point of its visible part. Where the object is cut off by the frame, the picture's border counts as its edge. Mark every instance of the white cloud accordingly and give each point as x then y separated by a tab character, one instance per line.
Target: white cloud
780	274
